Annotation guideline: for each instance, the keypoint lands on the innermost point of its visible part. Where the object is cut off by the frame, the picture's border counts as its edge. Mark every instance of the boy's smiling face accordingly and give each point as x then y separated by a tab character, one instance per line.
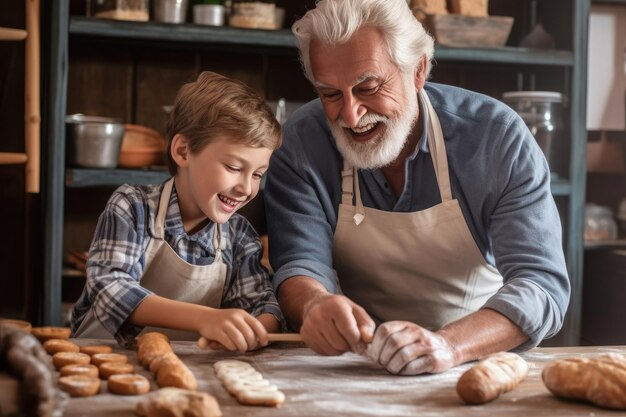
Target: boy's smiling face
217	181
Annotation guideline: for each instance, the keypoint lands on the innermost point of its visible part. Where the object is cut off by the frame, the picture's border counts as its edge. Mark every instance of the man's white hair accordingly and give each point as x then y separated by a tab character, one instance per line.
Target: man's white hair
336	21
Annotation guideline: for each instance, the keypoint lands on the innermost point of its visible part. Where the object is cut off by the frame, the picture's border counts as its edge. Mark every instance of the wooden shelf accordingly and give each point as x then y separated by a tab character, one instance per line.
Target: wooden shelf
283	40
10	34
12	158
609	2
605	244
77	178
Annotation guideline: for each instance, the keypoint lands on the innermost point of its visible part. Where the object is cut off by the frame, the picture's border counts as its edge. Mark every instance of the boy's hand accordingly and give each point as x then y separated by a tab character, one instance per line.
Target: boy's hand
234	329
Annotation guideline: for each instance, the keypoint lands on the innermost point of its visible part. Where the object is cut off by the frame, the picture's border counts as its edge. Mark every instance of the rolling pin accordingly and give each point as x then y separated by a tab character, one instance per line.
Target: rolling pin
272	337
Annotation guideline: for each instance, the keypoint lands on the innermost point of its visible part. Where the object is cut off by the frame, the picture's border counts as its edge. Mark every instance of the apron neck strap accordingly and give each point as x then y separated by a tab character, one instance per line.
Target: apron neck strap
437	147
218	242
164	202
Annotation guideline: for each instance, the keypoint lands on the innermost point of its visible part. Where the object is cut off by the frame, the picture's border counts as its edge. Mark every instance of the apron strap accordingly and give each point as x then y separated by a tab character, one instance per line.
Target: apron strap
437	148
349	185
164	201
218	243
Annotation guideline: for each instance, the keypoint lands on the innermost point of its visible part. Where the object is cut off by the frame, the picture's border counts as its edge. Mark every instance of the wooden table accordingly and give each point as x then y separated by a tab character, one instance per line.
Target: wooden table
351	385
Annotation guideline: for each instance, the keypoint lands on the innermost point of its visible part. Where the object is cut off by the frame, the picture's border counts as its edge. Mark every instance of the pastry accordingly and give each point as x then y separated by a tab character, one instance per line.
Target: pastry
600	380
53	346
100	358
79	369
128	384
491	377
61	359
246	384
175	402
80	385
46	333
113	368
151	345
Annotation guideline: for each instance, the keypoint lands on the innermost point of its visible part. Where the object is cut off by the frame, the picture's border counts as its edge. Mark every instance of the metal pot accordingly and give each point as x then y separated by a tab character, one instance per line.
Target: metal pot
93	142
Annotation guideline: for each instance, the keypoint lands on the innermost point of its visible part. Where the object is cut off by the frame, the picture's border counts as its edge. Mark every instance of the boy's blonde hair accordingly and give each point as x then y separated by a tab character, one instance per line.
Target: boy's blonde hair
214	107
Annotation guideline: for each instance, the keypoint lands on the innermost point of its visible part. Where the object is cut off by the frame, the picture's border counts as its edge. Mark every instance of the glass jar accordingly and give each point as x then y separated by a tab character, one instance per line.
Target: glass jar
136	10
599	223
541	111
253	15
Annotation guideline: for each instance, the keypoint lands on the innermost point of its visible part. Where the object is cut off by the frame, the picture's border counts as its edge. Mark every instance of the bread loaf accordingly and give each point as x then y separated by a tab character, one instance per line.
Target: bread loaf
600	380
155	352
477	8
178	402
491	377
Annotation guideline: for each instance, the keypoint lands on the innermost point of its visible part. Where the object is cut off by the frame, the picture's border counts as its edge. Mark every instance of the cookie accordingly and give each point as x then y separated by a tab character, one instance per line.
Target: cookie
62	359
80	385
247	385
53	346
47	333
79	369
107	369
100	358
128	384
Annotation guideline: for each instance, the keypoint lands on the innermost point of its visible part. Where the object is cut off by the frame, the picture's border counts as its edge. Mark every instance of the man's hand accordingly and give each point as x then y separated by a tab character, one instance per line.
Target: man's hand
332	325
404	348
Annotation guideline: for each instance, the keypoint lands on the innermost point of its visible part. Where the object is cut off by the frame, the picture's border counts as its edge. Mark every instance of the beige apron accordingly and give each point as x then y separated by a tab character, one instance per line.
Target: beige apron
169	276
423	266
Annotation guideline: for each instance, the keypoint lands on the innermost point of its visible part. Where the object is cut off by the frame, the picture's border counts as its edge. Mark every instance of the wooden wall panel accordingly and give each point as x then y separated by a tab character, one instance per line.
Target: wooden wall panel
160	73
100	81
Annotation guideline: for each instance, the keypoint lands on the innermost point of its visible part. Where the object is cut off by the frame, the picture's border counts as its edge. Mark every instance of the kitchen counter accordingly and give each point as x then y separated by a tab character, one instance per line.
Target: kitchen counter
351	385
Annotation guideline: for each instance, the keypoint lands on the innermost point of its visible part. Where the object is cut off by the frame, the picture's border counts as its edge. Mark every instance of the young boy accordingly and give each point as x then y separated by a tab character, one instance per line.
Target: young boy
176	255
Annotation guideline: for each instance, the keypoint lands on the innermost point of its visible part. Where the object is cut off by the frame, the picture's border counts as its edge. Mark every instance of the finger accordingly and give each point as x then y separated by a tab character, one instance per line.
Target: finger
344	333
380	338
260	333
396	342
316	340
244	325
235	336
403	356
329	346
421	365
225	341
365	324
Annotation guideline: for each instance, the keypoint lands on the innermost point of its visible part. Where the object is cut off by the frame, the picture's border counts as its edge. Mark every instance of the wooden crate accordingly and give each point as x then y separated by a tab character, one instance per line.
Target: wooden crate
469	31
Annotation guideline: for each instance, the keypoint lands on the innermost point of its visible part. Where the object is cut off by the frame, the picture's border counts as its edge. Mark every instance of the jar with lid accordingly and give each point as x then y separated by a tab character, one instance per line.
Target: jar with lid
136	10
541	111
599	223
253	14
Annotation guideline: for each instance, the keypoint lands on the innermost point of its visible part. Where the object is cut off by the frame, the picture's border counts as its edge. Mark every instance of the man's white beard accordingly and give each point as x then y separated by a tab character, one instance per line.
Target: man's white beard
382	150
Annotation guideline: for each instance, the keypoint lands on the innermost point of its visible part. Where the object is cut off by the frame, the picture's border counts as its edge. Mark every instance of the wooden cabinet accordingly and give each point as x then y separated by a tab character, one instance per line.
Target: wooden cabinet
130	70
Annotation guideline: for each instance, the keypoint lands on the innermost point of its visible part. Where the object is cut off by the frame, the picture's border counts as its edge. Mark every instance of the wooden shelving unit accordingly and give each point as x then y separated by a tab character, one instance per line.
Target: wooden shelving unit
568	63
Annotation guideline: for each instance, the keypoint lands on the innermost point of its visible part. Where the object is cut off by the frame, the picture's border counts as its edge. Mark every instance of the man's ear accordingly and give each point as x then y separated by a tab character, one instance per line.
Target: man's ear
180	150
420	74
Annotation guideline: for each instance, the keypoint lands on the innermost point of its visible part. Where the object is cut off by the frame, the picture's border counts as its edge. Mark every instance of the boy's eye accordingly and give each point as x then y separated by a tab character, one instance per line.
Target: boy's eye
258	175
232	168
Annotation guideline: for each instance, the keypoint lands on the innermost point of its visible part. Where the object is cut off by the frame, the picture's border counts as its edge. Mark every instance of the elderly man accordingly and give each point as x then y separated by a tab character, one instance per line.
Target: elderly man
421	208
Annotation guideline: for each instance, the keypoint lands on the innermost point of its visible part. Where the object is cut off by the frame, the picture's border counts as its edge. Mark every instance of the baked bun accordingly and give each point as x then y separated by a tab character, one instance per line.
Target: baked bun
62	359
100	358
128	384
79	369
80	385
47	333
113	368
178	402
53	346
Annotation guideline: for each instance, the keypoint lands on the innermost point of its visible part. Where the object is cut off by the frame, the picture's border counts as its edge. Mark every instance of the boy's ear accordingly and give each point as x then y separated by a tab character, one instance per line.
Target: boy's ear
180	150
